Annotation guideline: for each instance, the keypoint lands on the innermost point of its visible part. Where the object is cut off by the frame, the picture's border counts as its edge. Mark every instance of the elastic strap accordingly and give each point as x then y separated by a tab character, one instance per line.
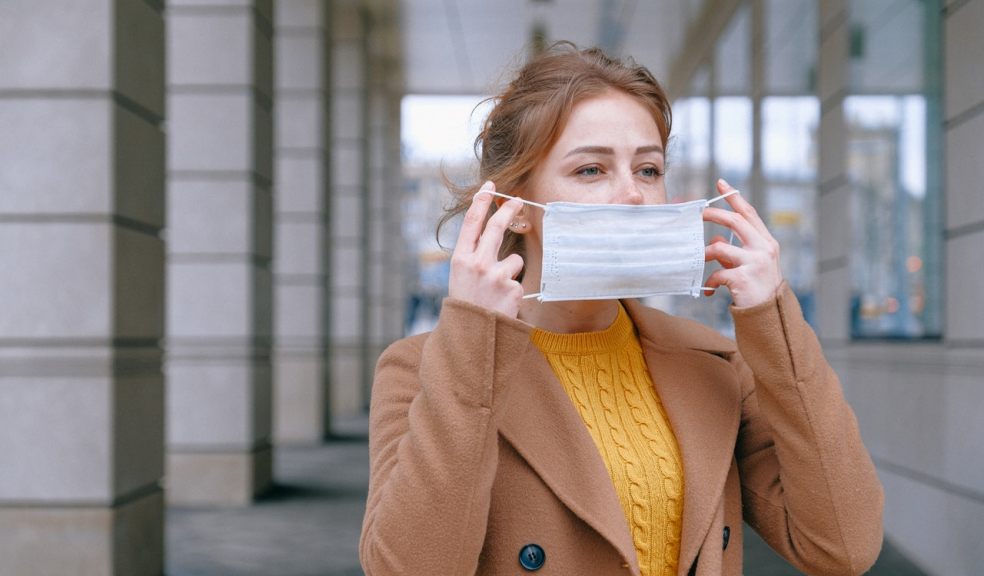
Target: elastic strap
544	206
537	204
723	196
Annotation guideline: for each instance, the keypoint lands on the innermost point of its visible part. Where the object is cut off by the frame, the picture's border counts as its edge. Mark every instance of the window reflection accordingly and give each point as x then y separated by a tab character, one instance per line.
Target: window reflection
789	166
689	154
887	167
893	122
733	139
690	176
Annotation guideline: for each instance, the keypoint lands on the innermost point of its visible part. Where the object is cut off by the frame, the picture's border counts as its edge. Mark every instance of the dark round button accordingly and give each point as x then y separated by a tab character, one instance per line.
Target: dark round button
532	557
727	536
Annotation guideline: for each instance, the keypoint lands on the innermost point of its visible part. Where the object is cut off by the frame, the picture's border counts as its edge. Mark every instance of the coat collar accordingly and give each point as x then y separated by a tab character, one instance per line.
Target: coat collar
701	397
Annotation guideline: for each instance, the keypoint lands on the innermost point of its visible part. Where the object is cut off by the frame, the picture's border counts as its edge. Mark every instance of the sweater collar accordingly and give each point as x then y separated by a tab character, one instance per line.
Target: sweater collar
610	339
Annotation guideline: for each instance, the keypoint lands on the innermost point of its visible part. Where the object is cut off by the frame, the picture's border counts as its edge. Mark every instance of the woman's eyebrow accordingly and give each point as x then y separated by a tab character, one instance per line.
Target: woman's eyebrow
606	150
591	150
644	149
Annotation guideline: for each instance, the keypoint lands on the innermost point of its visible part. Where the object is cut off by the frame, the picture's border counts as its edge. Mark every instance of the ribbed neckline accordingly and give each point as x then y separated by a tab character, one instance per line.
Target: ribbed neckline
610	339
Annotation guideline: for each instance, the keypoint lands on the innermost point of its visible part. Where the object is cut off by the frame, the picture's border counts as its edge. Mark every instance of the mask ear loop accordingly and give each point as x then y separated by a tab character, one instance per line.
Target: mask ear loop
536	295
731	239
723	196
508	197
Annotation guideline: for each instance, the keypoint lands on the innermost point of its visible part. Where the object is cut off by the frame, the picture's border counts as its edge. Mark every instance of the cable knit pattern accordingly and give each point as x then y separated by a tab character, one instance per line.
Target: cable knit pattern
606	377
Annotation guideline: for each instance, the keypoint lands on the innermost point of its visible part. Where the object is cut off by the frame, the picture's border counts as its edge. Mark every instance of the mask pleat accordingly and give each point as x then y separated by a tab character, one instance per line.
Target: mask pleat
596	251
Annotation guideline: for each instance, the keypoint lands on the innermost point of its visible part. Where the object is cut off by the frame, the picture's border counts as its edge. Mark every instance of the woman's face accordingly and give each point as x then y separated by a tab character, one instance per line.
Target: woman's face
610	152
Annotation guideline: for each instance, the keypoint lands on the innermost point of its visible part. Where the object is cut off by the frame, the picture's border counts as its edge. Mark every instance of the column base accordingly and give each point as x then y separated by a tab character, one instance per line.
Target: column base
125	540
300	400
346	381
218	478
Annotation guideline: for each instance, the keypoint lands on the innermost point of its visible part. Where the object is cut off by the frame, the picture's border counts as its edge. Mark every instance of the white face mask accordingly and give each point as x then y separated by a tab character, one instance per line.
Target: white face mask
607	251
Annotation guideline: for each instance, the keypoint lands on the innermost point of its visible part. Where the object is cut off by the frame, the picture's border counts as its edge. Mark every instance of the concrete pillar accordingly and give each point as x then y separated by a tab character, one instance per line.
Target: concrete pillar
81	293
396	253
386	284
833	219
758	92
963	130
349	208
219	249
301	230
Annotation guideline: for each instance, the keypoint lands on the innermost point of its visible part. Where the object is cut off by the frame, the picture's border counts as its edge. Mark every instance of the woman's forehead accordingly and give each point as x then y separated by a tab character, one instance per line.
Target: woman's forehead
611	120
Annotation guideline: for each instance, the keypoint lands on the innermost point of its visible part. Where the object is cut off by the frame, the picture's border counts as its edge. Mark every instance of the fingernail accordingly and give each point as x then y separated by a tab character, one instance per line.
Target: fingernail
723	182
486	188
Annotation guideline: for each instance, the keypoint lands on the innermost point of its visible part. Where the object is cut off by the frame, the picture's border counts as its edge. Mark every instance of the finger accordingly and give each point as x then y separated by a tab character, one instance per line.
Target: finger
742	206
471	227
491	238
511	266
718	278
729	256
748	234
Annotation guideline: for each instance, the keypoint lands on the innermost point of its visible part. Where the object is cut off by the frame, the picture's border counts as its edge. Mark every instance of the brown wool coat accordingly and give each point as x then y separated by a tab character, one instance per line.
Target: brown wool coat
477	451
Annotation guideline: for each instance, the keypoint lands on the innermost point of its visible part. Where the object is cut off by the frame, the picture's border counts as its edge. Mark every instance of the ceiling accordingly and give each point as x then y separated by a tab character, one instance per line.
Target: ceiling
471	46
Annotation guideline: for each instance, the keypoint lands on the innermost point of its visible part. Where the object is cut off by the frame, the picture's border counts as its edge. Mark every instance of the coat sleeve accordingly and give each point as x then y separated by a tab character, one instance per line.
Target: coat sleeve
809	487
433	442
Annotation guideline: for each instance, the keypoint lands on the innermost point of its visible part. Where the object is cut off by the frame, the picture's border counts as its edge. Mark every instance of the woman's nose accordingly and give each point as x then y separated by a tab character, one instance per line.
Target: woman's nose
628	192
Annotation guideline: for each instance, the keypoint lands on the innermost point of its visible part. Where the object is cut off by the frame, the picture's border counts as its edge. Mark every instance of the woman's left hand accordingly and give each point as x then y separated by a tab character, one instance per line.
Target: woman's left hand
750	271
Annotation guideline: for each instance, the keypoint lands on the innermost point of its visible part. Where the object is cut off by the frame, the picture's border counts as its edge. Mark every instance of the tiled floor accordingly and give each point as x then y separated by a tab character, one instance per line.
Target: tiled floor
309	525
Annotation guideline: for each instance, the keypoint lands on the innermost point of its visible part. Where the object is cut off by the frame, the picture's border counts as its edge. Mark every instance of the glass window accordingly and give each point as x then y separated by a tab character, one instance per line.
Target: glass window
790	49
733	140
732	55
689	154
893	120
437	136
790	116
789	168
690	177
688	157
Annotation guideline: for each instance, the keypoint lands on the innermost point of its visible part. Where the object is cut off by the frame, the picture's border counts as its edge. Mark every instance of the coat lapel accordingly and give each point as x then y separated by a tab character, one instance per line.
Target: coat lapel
546	430
702	398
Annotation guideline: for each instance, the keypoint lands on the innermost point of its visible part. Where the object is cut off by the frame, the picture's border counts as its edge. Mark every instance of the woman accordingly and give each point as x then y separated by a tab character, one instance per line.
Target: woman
600	436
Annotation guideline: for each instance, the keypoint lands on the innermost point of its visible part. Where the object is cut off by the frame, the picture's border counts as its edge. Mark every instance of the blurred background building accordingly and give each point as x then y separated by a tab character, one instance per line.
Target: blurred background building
215	214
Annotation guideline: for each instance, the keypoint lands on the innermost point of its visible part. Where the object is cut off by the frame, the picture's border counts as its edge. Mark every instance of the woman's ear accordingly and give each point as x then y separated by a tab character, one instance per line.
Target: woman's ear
520	223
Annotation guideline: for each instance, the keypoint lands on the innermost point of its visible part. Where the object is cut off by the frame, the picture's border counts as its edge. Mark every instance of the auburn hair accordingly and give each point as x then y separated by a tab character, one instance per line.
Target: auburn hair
528	117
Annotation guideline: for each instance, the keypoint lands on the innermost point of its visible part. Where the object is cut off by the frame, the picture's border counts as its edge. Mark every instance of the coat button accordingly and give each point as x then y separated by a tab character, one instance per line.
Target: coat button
532	557
727	536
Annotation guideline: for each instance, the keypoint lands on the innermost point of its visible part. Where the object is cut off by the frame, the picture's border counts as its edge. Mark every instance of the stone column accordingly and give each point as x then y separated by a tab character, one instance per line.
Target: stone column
385	204
395	254
301	265
833	219
349	208
219	214
758	93
963	131
81	293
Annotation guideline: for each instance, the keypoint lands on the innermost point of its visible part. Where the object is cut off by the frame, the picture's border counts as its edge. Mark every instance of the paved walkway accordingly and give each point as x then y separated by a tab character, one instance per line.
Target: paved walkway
309	525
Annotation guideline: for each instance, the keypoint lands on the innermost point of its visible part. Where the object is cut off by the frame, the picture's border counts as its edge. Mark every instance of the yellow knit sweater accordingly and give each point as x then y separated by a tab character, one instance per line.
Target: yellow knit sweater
605	375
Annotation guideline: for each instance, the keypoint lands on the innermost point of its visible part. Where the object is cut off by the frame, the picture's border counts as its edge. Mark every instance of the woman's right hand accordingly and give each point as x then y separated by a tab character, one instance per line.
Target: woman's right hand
477	274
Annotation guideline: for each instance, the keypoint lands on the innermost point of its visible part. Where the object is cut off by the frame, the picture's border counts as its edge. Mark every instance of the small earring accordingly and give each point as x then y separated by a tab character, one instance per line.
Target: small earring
515	225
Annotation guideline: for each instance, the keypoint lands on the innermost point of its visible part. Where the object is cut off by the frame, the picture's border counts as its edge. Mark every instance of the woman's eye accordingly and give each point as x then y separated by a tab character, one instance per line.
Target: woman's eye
650	172
589	171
